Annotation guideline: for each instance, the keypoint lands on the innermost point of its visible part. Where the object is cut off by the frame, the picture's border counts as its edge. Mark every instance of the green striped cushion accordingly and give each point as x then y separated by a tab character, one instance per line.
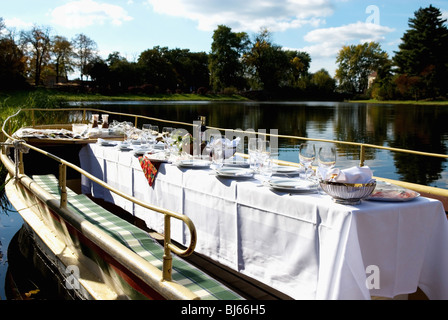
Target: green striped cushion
140	242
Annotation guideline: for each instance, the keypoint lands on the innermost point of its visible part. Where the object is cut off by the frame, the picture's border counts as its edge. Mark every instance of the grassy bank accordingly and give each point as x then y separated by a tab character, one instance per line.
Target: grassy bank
46	97
419	102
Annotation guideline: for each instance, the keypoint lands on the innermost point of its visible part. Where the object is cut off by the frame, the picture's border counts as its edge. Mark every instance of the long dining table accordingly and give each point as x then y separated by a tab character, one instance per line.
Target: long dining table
302	244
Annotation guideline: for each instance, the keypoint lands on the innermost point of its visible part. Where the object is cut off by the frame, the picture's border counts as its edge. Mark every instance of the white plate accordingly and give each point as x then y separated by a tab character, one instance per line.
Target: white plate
157	157
194	164
235	172
293	185
236	163
285	170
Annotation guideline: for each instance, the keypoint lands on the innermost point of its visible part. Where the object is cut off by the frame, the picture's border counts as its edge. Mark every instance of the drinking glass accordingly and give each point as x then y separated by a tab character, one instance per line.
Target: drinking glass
154	132
307	154
218	155
166	131
264	158
253	149
326	157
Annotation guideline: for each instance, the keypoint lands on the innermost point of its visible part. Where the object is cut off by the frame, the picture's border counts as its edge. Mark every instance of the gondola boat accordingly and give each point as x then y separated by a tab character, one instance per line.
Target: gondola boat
99	251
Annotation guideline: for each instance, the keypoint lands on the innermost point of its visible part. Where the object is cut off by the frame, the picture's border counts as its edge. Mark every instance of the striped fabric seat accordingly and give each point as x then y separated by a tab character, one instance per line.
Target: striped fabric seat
141	243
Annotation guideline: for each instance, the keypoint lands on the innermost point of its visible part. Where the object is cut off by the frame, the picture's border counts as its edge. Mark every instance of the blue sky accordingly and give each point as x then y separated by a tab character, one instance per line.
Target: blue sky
319	27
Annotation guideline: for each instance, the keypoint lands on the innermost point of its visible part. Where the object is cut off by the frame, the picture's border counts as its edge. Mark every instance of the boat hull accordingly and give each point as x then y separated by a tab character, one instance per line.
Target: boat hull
87	271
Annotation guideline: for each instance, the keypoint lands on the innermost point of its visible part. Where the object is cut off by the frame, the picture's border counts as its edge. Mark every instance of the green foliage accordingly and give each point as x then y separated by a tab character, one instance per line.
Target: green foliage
356	63
422	59
226	68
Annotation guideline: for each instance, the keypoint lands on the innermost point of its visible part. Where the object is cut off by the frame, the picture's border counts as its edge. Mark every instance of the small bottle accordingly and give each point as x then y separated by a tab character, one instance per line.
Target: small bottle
105	118
95	121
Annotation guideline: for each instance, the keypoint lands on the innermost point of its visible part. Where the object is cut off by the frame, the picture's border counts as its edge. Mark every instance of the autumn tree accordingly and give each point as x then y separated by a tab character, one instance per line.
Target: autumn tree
356	63
85	50
62	51
422	59
39	43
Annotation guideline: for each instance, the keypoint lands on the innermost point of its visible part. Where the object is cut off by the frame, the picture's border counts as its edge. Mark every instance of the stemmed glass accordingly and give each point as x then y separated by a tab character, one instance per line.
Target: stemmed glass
326	157
307	154
154	131
253	149
146	134
218	154
264	156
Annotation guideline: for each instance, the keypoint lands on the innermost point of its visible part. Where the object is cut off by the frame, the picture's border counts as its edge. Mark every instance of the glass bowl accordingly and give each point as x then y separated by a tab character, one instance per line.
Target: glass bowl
347	193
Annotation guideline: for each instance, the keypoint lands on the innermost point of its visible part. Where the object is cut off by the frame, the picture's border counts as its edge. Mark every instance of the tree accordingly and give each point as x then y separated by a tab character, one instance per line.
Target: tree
356	63
299	66
323	82
226	68
123	74
39	42
85	52
156	69
267	62
422	55
12	64
63	56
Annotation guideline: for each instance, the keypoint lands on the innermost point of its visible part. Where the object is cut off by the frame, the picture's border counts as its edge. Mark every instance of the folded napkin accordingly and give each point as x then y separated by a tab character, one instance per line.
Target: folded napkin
353	175
229	146
149	169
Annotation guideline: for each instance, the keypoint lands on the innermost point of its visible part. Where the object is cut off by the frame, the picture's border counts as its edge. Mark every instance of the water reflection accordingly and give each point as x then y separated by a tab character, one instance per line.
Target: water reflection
402	126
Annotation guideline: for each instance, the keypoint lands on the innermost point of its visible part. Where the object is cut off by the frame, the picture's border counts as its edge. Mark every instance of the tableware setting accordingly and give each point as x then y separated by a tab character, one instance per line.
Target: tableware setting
347	186
234	172
292	185
389	192
193	164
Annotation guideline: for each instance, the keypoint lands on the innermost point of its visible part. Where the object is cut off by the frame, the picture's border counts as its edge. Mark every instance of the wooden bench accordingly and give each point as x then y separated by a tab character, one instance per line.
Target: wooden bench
139	242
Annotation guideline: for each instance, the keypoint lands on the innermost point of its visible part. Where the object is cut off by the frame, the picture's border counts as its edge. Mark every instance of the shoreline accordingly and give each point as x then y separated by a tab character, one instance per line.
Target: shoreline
44	96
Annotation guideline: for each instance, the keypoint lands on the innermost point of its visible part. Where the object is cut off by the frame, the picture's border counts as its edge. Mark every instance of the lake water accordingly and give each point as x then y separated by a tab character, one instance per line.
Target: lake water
422	128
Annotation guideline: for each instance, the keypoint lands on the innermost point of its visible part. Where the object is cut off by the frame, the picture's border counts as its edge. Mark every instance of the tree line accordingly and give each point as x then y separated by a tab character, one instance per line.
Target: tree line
237	63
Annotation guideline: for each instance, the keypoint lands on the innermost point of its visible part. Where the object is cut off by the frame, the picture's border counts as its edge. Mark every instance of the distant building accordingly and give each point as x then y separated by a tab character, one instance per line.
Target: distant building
371	79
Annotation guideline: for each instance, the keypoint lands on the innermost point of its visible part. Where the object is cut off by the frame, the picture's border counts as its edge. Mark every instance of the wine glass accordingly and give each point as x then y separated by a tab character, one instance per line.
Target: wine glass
307	154
326	157
166	132
253	149
264	157
154	132
218	154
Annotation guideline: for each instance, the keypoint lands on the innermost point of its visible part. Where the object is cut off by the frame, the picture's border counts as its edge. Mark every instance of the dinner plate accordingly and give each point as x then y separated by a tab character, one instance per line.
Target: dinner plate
194	164
285	170
157	157
293	185
235	172
392	193
236	163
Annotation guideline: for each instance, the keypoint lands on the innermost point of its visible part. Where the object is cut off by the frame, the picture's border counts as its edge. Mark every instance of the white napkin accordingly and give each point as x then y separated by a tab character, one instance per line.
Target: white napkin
350	175
229	146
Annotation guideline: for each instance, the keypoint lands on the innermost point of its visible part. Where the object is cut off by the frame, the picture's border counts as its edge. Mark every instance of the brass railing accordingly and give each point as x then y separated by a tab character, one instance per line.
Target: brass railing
168	245
440	192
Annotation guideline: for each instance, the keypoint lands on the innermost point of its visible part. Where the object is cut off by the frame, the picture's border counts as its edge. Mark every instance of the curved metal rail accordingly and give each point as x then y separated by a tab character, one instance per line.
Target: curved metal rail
168	246
439	192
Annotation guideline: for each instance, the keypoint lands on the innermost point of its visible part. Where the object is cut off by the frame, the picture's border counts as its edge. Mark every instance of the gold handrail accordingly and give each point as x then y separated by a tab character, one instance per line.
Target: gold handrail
420	188
168	246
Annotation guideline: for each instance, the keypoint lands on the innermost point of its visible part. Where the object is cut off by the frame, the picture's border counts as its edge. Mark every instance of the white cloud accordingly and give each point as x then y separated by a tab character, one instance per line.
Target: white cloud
249	15
17	23
329	41
84	13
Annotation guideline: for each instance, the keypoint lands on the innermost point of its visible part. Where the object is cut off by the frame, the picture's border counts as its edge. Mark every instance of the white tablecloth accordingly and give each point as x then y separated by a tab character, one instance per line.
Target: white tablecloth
304	245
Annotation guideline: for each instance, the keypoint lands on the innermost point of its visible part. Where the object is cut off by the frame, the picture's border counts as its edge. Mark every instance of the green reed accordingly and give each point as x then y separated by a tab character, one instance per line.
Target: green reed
10	103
